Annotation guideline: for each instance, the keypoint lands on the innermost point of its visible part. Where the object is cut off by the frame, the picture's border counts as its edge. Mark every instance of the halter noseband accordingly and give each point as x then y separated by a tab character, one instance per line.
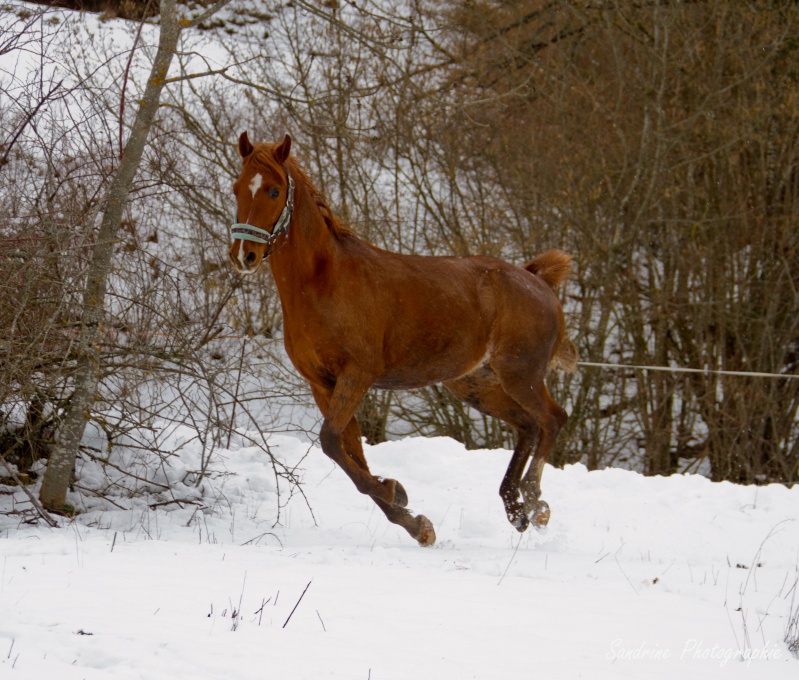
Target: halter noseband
247	232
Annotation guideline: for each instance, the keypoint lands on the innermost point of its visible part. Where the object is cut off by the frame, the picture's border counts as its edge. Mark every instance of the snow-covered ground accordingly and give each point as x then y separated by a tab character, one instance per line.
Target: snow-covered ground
634	577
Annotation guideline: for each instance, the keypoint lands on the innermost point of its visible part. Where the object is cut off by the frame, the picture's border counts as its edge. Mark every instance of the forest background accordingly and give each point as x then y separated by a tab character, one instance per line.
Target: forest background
655	141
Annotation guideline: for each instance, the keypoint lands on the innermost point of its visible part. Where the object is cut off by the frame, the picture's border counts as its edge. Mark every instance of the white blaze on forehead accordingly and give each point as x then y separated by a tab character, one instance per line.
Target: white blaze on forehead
255	184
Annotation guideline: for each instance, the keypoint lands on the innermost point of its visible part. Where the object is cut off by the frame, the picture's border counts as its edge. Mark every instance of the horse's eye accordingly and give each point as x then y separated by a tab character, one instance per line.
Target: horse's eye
274	193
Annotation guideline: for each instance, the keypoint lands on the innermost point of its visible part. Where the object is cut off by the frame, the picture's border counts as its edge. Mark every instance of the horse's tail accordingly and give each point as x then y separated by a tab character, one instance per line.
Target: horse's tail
566	355
554	267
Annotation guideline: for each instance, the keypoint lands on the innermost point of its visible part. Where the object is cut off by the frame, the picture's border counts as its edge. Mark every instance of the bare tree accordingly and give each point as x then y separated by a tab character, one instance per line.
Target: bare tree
86	375
655	142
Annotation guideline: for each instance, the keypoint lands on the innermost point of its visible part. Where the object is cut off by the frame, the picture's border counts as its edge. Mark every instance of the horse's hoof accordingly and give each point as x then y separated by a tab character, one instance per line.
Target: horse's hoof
517	515
540	516
427	534
400	496
519	521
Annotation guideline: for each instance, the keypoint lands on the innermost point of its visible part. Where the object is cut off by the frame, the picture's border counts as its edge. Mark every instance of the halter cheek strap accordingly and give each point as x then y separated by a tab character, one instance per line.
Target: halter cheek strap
247	232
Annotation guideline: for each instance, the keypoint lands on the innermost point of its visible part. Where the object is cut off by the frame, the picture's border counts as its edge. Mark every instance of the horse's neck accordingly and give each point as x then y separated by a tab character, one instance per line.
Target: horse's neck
310	243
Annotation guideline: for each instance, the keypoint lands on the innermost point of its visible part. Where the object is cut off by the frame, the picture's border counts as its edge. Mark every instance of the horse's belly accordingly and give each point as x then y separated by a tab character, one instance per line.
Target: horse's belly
408	382
430	370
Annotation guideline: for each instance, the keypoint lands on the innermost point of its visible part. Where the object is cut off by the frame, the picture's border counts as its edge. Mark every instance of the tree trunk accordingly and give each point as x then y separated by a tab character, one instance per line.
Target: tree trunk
62	459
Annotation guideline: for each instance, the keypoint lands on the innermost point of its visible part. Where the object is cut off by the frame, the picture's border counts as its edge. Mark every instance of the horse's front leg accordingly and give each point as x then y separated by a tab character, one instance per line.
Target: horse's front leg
342	443
353	447
340	440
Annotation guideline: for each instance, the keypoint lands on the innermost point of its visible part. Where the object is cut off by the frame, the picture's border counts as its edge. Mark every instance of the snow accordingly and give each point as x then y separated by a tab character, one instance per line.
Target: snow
635	576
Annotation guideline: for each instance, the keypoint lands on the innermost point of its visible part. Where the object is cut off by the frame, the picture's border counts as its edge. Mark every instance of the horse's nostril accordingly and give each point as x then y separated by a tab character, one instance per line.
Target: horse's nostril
250	258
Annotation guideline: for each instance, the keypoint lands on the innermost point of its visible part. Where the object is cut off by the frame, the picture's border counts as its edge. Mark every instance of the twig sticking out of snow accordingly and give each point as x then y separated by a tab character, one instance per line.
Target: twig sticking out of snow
298	603
260	610
792	629
510	561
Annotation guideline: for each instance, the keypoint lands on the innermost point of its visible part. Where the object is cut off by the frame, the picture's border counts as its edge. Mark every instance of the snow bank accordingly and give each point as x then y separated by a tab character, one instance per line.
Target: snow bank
655	577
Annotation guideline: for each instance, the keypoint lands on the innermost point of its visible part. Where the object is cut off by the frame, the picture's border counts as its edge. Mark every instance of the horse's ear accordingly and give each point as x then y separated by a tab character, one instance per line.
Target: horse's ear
245	148
282	151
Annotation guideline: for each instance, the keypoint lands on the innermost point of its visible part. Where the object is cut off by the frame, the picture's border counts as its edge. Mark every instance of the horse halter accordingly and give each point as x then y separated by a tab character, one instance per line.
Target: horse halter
247	232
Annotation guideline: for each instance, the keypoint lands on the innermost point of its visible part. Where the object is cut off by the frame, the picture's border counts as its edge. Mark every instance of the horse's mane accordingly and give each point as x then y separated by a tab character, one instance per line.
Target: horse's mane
263	156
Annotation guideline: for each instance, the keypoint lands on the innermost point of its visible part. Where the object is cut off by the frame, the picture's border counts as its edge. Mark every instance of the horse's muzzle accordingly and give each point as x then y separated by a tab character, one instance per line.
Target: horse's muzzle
245	259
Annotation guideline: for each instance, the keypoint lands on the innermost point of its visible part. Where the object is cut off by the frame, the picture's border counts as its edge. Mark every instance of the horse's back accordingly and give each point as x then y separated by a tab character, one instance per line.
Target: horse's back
438	318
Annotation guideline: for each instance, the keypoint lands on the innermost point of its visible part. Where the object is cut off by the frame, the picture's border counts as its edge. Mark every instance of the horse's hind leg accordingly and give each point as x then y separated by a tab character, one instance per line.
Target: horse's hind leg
531	483
509	489
483	391
531	393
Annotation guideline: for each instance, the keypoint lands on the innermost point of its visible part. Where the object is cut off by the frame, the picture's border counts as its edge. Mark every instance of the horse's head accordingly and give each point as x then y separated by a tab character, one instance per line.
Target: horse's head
264	195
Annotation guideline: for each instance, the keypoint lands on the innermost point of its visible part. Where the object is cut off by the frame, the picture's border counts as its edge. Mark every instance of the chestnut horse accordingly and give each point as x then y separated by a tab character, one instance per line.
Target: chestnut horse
356	317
